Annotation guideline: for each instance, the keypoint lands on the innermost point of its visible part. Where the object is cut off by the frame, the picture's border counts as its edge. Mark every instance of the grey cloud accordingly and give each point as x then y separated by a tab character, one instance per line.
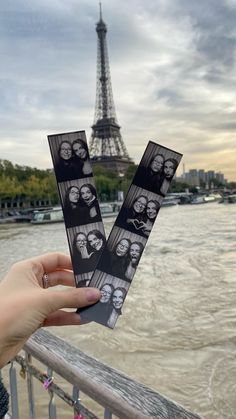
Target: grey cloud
171	81
225	126
214	23
172	97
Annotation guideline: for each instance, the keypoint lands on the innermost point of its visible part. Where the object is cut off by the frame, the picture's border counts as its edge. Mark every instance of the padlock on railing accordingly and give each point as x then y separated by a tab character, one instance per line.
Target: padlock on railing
47	383
23	372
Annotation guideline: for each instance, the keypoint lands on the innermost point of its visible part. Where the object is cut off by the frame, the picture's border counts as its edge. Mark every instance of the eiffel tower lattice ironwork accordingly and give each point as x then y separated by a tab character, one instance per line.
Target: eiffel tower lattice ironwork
106	146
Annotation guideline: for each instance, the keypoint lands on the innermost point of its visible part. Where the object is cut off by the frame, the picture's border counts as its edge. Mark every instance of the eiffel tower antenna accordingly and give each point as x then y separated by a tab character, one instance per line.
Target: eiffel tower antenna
100	8
106	146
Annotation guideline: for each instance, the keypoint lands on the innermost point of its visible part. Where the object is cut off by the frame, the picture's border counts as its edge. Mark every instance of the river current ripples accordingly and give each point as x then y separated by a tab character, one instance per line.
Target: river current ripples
178	329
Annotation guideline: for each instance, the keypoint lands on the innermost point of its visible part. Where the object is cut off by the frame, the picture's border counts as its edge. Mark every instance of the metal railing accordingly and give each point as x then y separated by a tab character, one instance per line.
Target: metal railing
116	393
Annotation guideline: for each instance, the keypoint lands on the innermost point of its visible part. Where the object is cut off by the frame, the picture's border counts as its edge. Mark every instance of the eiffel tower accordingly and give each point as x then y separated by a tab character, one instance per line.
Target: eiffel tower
107	148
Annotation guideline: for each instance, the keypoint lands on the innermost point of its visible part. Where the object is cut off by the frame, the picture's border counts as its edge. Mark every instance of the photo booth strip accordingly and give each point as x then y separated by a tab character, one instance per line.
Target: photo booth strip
129	235
79	201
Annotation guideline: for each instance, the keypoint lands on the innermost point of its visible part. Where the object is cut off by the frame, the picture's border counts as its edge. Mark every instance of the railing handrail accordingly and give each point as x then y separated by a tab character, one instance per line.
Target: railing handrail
115	391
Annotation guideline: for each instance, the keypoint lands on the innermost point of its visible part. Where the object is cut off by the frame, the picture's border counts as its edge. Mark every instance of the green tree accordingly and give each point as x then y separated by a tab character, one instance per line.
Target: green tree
10	187
33	188
178	186
232	185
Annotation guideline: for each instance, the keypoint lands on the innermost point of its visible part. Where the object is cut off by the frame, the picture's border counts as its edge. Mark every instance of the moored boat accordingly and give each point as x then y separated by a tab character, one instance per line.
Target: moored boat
55	215
110	209
52	215
14	217
169	201
204	199
228	199
212	197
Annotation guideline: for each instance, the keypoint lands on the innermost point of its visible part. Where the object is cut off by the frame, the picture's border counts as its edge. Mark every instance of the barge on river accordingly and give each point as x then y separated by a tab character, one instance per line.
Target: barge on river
55	215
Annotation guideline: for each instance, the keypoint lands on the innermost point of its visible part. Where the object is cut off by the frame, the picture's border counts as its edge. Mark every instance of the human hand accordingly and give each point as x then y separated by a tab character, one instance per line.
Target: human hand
25	305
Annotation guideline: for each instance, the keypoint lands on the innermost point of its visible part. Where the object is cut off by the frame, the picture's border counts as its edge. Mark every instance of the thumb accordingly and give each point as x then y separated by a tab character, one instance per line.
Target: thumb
73	298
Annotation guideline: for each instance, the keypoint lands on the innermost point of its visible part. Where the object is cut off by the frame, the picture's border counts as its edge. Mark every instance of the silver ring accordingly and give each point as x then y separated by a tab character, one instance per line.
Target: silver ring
45	280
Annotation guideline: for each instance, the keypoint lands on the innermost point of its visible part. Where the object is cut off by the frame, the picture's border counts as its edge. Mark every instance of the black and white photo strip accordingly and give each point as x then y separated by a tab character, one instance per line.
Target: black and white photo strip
86	243
139	211
82	216
70	155
113	293
157	168
132	227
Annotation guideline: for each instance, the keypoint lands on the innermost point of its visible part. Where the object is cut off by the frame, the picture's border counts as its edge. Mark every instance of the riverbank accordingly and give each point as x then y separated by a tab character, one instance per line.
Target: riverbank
108	209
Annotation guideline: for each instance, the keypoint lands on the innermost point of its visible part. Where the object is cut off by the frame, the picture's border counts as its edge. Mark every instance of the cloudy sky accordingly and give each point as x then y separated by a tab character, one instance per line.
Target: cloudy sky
172	66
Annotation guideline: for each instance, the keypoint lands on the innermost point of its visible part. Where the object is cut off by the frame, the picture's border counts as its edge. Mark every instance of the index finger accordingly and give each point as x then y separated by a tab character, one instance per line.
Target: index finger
51	262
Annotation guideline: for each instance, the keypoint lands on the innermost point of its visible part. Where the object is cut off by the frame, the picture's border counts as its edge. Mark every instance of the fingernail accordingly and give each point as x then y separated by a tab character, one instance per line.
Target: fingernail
92	294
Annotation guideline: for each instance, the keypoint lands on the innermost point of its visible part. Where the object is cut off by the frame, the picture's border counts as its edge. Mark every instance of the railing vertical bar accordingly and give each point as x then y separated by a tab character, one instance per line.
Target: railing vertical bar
107	414
52	410
75	393
30	388
75	397
13	391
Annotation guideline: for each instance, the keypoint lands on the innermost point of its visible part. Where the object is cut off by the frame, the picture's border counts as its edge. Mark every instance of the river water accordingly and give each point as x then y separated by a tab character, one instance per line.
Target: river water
178	329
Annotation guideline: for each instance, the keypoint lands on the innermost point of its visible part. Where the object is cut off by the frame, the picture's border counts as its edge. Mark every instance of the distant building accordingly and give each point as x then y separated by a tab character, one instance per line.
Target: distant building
220	177
195	177
210	175
191	177
202	176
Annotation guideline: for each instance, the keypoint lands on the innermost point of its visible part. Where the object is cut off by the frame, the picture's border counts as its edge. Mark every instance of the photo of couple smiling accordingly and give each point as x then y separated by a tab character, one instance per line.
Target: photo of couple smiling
80	204
109	307
139	211
86	244
122	254
70	156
